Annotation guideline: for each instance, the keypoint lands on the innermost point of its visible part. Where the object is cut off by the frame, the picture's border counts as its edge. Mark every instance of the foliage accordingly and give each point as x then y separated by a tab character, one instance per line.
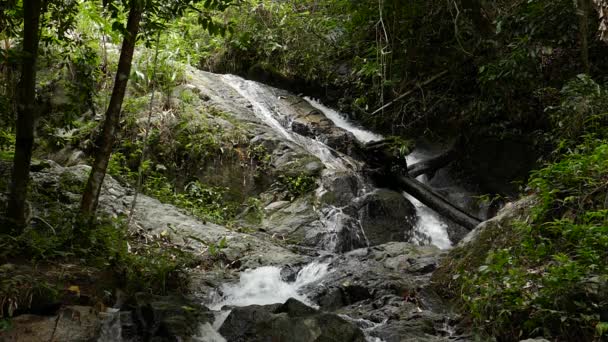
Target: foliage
581	113
205	202
164	75
19	289
7	140
105	243
298	185
553	283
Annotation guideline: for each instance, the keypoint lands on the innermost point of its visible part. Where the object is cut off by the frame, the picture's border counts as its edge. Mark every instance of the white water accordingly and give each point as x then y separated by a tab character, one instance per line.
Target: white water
340	121
208	333
111	329
429	222
265	107
264	285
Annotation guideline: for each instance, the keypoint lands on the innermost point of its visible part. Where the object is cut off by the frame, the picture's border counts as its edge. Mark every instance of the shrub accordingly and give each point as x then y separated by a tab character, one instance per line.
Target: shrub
554	283
298	185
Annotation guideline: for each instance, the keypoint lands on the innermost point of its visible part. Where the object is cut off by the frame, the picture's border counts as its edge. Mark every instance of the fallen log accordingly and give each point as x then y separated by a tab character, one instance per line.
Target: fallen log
430	166
389	169
435	201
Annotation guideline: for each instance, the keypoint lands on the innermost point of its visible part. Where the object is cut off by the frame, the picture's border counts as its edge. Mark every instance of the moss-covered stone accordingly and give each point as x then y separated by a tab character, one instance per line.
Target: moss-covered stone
471	253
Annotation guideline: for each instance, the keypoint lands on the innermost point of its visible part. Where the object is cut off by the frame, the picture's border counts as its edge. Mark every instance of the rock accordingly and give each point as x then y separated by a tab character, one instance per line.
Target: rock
387	284
274	206
375	274
71	323
340	189
292	219
311	123
292	321
39	165
155	217
167	318
69	156
386	216
494	234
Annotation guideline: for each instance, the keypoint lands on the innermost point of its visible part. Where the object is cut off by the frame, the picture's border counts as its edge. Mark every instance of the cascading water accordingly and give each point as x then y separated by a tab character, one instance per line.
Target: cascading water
264	285
260	286
430	225
340	121
265	108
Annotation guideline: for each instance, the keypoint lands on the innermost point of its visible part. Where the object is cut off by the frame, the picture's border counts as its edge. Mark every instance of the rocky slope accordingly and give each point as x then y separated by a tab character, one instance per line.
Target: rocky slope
374	283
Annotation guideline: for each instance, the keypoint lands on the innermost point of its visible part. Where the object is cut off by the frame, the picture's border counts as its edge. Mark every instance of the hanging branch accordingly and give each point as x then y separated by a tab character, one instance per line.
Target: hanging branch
144	149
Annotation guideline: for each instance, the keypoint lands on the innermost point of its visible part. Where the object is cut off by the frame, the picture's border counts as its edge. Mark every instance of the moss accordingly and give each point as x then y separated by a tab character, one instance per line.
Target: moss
498	233
71	183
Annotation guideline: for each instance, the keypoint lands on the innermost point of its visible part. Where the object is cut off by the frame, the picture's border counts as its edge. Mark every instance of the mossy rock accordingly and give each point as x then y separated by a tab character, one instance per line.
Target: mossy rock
497	233
303	165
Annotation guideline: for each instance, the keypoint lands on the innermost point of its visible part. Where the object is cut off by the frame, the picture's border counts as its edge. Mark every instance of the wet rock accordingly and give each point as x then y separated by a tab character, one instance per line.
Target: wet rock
166	318
386	283
386	216
340	189
69	156
292	321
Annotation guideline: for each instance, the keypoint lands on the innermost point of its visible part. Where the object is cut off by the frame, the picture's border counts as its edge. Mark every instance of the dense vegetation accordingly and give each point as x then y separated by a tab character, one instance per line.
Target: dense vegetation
530	71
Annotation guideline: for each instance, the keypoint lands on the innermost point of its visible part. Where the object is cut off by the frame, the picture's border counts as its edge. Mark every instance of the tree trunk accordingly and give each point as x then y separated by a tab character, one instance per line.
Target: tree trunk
582	11
436	202
92	190
26	115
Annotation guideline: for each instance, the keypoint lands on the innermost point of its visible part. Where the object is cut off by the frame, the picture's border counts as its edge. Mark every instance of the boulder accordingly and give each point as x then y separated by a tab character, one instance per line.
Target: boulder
166	318
385	290
292	321
496	233
340	189
386	216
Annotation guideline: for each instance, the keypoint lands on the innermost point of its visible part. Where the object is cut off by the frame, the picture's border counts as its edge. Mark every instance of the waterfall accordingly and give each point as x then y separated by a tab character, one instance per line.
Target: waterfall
269	110
429	225
343	232
339	120
266	108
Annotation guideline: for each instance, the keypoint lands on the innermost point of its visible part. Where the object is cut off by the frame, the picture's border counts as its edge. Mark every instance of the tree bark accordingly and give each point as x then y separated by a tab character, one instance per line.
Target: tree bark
92	190
26	114
583	9
436	202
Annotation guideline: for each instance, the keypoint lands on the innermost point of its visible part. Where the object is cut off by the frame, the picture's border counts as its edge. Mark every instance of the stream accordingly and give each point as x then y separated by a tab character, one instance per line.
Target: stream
265	285
364	256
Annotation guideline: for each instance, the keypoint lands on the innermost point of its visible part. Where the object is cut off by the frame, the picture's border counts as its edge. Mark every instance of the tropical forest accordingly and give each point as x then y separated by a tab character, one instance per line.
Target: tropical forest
303	170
